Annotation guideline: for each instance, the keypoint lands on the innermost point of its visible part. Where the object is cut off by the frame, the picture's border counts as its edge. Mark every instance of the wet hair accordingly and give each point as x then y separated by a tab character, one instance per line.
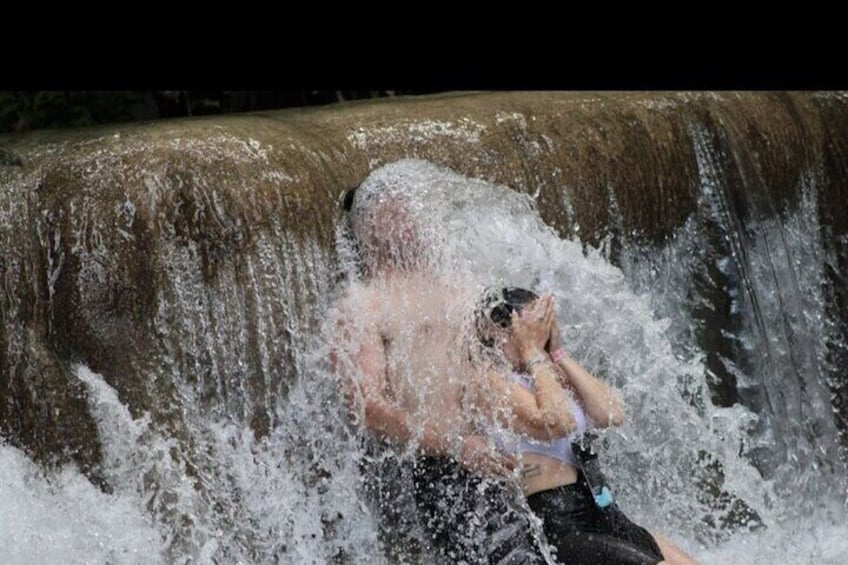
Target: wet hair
382	228
350	242
347	199
498	305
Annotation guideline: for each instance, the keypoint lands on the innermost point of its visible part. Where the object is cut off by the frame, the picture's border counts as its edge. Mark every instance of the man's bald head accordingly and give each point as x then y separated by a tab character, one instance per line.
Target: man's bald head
386	232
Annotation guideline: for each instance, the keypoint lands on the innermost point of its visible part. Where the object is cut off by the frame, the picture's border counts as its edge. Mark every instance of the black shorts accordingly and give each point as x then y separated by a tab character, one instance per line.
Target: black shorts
583	533
470	519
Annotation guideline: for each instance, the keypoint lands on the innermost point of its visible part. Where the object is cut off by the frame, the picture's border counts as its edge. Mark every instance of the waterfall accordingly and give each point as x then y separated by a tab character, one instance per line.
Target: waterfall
164	295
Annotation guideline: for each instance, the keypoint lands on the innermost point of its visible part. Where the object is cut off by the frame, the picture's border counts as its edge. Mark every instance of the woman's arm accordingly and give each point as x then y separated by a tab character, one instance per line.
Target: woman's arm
602	402
545	414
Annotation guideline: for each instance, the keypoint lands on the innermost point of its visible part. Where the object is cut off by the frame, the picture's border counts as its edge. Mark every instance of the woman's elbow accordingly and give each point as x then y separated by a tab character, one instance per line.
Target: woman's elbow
612	417
561	430
617	418
616	409
550	427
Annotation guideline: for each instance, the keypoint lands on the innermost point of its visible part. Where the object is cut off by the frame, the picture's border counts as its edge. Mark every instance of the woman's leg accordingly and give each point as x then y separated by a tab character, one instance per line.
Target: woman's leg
672	553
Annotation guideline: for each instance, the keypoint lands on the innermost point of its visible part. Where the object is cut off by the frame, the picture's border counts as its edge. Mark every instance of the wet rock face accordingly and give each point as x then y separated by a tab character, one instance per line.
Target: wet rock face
184	254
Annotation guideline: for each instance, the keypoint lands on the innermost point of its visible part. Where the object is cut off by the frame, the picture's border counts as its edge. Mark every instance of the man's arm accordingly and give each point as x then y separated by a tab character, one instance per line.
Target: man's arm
361	366
360	363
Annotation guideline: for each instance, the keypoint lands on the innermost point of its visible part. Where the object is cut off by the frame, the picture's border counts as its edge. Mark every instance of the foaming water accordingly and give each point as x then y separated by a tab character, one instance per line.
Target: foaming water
62	518
288	497
820	539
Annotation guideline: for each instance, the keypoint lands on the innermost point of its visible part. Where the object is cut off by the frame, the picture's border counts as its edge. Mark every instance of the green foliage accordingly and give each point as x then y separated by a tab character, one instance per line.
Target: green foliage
50	109
24	110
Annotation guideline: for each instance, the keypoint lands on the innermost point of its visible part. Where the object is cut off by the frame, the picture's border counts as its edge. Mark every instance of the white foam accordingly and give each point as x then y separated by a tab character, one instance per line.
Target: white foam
62	518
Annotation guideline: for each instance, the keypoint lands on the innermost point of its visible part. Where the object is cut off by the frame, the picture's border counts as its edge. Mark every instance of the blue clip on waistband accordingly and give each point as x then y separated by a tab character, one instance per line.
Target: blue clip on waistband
604	498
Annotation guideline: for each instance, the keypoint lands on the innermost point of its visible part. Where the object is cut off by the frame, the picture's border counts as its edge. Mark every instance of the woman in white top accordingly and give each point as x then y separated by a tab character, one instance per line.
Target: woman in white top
527	384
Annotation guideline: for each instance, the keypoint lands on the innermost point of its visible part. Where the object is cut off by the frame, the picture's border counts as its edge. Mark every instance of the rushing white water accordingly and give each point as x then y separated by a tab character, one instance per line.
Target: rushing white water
63	518
755	480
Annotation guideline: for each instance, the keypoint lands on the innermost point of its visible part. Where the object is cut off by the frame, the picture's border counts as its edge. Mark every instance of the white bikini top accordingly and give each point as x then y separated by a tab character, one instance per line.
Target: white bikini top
560	448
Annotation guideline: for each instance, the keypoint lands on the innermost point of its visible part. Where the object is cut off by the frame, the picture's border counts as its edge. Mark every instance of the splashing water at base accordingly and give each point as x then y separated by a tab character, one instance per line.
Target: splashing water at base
62	518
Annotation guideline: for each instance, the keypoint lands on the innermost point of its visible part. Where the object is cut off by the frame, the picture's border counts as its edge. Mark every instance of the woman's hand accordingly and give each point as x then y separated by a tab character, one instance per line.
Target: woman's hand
531	327
555	341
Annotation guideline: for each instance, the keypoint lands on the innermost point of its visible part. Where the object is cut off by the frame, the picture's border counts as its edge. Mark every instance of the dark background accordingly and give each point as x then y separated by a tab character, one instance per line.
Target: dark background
26	110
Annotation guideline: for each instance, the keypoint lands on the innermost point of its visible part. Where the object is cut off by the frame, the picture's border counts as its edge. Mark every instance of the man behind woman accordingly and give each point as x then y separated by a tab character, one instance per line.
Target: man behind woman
397	350
407	379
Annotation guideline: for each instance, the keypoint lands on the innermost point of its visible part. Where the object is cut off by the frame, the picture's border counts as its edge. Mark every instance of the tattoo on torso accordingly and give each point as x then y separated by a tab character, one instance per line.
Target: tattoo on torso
531	471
